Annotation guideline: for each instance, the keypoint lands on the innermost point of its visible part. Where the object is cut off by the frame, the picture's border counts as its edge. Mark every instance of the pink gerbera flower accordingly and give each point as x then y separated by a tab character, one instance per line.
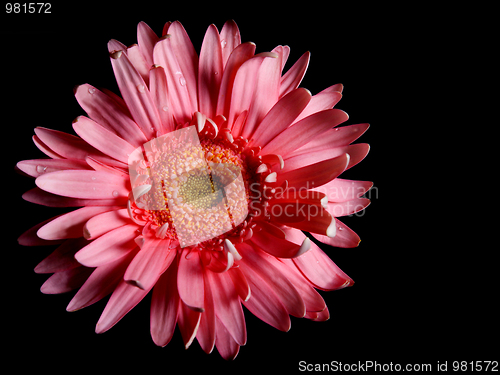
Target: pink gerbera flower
197	183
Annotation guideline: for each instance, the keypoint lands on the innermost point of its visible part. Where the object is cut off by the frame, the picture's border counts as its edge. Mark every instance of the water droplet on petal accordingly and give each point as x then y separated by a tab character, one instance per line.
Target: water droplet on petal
41	168
165	108
337	129
216	73
340	228
91	90
93	178
182	81
223	43
141	88
115	193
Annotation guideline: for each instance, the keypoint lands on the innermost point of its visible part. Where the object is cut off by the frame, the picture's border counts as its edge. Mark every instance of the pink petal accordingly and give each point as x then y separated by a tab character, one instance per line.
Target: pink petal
284	289
291	80
109	247
315	175
337	137
345	237
158	87
210	72
281	116
38	196
37	167
105	222
340	190
178	94
230	39
227	305
242	53
187	59
190	281
70	225
71	147
227	347
84	184
63	258
65	281
243	87
312	299
306	217
45	149
102	139
102	282
265	94
136	94
148	264
357	152
147	40
189	322
278	247
350	207
138	62
124	298
240	283
206	331
104	110
30	237
320	102
321	271
164	307
304	131
264	303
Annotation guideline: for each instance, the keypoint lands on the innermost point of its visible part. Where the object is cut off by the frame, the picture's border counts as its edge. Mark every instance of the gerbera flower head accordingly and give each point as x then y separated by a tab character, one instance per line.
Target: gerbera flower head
198	183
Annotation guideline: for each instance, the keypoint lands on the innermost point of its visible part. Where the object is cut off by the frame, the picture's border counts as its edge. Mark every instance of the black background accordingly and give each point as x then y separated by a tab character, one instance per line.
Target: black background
417	297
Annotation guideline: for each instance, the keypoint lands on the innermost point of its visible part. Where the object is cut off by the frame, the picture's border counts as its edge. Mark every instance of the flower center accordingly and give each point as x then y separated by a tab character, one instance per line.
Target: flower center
192	190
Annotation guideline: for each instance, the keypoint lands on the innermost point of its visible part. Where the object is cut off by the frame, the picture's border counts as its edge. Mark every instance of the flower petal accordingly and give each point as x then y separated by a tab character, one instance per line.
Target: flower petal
70	225
265	94
148	264
102	282
190	281
109	247
314	175
229	39
189	322
264	303
284	289
279	247
227	347
210	72
66	281
345	237
304	131
357	152
187	60
38	196
340	190
180	102
124	298
164	307
227	305
281	116
147	39
84	184
104	110
37	167
350	207
71	147
291	80
105	222
102	139
62	258
320	102
321	271
206	332
158	87
136	94
241	54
